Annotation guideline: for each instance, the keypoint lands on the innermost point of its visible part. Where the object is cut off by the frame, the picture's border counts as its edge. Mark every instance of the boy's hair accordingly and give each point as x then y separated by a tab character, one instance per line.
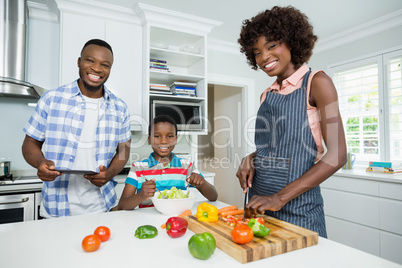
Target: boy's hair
284	24
159	119
97	42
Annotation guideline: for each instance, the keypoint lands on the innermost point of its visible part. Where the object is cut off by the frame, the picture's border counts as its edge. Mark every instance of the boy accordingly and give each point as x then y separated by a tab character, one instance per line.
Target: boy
162	169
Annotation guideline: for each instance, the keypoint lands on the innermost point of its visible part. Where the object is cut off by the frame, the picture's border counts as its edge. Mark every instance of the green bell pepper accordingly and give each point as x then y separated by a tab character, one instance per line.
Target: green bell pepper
259	230
202	246
146	231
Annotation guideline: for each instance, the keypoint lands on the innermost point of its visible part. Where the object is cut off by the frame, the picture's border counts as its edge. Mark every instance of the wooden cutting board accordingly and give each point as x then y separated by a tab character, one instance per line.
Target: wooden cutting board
284	237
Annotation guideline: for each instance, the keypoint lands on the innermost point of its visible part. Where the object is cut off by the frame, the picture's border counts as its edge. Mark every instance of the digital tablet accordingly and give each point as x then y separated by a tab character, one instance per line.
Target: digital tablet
77	172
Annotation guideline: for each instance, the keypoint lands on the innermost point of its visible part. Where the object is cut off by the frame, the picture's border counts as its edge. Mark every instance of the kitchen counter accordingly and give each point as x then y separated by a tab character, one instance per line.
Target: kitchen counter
57	243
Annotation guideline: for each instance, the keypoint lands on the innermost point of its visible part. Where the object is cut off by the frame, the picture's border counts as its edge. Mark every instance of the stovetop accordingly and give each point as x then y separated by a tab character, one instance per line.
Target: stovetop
13	180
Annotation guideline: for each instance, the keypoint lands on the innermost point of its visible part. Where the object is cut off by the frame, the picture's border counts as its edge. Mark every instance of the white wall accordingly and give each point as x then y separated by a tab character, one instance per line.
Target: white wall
378	42
236	65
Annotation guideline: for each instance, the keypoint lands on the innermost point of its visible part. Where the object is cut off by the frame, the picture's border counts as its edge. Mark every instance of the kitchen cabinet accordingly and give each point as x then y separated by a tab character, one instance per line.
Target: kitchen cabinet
78	24
179	41
365	211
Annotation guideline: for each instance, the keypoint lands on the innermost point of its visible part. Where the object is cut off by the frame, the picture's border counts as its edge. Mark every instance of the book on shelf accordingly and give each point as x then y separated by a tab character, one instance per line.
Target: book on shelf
159	87
184	92
383	170
159	69
157	60
183	84
183	88
162	92
380	164
383	167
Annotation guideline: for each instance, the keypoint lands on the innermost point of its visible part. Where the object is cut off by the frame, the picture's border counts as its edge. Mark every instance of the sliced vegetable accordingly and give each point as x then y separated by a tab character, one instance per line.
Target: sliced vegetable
259	230
176	227
234	207
260	220
207	212
146	231
202	246
232	212
173	193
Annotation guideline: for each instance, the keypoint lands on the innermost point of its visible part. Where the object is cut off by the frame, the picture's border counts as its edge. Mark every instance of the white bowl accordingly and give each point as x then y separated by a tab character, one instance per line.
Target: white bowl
173	207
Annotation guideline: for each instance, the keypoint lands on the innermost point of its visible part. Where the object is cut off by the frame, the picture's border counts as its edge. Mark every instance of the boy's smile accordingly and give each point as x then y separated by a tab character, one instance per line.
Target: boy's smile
163	140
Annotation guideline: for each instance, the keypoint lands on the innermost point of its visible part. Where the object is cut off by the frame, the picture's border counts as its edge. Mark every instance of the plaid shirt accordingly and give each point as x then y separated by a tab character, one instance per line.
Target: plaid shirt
58	120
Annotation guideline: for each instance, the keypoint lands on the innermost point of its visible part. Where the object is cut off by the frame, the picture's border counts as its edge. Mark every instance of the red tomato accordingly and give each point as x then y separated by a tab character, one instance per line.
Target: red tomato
91	243
242	234
260	220
103	233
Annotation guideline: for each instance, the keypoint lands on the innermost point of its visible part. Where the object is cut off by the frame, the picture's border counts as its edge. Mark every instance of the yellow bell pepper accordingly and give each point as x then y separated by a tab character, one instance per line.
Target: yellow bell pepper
207	212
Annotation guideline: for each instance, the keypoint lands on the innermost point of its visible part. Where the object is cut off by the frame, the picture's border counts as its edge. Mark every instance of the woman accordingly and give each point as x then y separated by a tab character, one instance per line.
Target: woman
297	113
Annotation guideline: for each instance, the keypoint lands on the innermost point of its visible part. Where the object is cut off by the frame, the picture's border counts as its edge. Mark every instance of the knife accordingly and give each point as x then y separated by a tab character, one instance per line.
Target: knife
245	203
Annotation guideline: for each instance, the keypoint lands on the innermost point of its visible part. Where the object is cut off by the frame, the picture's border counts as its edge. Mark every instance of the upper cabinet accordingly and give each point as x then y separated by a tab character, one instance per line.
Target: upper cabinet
81	21
174	51
175	42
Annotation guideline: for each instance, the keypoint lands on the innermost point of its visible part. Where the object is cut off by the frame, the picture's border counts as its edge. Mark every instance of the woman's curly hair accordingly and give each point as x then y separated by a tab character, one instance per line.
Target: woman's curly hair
284	24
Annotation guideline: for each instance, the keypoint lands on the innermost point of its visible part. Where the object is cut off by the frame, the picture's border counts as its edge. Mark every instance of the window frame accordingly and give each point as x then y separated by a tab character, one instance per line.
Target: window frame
380	58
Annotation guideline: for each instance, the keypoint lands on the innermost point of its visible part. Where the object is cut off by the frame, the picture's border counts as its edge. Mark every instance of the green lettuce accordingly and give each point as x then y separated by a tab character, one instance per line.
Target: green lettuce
173	193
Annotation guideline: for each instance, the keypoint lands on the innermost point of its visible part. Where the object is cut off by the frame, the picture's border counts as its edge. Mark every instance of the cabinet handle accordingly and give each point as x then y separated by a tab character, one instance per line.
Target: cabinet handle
23	200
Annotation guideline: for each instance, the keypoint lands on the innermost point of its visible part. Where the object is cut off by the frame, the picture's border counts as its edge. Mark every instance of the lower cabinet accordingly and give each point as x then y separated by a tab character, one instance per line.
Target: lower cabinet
365	214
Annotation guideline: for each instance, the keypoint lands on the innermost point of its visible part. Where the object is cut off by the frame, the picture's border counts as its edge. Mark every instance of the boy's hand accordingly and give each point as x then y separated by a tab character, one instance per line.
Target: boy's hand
195	179
148	189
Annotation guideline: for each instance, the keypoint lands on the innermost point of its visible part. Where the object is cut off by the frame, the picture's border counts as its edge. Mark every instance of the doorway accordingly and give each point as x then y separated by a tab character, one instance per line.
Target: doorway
225	145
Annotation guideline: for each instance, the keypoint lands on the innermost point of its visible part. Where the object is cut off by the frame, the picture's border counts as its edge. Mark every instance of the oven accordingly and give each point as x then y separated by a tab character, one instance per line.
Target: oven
20	199
17	207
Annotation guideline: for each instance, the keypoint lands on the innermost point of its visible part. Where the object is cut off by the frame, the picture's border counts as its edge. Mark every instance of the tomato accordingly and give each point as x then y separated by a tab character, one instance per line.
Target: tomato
103	233
260	220
91	243
242	234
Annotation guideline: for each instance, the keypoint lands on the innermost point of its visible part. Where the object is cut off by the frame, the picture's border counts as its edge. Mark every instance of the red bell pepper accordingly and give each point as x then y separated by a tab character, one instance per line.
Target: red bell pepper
176	227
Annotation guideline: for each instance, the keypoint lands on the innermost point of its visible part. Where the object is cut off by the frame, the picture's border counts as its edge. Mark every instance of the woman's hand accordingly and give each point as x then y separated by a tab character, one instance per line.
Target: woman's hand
260	203
246	170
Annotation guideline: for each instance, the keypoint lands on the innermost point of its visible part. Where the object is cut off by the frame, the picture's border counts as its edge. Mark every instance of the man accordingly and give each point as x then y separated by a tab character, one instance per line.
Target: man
79	126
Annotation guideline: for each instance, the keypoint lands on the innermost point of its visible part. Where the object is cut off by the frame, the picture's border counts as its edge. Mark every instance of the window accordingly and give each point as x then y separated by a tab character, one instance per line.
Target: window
370	102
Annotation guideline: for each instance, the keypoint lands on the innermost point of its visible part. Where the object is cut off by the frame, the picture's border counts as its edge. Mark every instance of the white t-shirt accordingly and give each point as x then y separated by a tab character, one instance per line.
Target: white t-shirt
83	196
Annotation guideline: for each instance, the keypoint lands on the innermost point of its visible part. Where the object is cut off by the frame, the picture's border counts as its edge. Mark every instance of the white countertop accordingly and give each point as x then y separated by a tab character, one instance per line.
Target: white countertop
361	173
57	243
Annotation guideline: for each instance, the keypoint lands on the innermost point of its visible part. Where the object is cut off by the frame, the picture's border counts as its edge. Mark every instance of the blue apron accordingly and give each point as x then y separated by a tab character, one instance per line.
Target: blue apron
286	150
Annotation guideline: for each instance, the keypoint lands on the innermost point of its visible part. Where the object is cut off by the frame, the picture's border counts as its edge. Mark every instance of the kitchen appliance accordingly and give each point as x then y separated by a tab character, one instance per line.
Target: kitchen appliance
17	207
5	167
13	32
187	115
20	199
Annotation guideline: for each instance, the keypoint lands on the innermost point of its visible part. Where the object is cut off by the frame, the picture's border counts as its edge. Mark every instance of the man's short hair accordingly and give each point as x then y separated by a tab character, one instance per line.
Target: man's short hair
97	42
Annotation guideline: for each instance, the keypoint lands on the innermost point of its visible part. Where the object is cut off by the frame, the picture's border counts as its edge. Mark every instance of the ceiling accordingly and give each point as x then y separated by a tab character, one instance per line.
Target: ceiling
327	17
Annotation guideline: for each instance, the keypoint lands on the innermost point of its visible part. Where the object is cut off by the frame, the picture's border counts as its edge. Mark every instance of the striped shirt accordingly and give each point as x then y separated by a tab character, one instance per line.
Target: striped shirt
58	121
173	174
